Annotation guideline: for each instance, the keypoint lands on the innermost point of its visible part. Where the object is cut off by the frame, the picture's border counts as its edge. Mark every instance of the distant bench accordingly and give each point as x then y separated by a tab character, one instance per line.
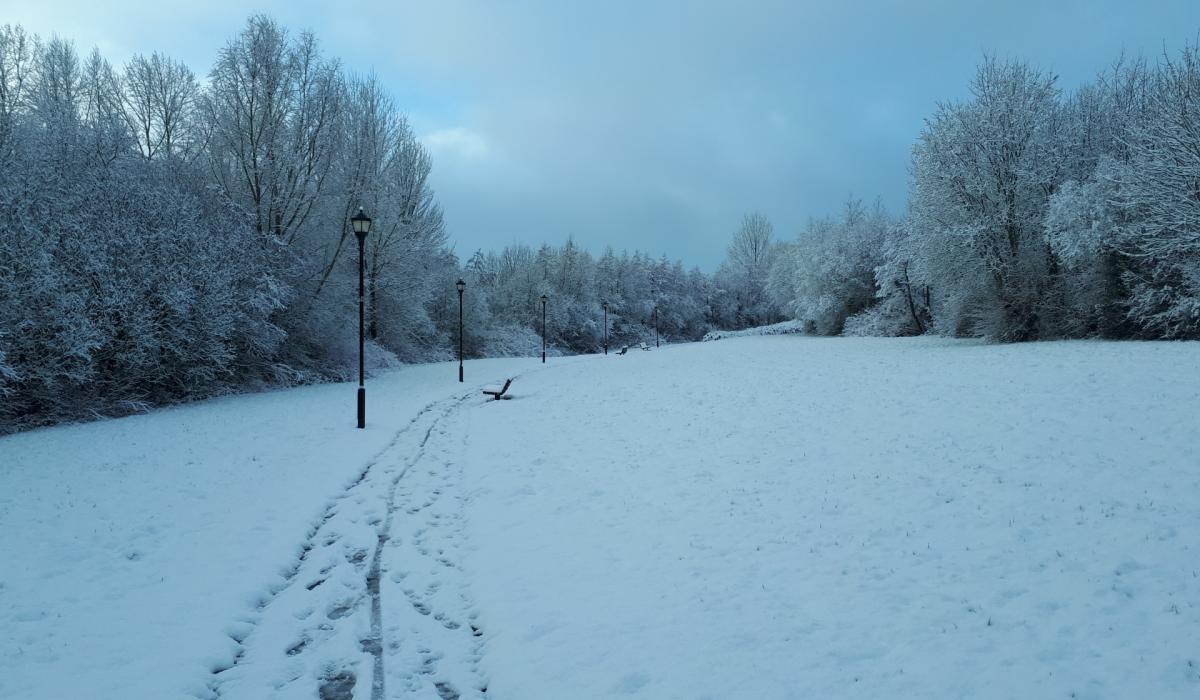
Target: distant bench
500	394
626	348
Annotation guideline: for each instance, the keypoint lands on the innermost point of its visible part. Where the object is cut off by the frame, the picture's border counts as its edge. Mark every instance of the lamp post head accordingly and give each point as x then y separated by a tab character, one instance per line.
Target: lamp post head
545	299
604	306
362	224
461	285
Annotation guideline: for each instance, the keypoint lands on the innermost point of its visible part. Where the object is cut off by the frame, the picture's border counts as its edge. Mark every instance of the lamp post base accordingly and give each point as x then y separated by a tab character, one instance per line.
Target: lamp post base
362	407
460	373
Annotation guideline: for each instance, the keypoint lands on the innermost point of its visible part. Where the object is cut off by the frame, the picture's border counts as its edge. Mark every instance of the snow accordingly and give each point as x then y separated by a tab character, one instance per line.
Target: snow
135	548
776	516
781	328
793	517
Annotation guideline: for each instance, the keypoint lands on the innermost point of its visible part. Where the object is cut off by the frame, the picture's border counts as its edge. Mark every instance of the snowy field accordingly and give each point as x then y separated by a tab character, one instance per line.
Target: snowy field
778	517
134	548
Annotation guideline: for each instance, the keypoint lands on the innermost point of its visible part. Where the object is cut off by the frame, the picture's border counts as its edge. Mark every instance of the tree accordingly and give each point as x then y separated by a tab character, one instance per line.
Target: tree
832	267
1158	200
744	272
160	99
983	172
272	106
17	50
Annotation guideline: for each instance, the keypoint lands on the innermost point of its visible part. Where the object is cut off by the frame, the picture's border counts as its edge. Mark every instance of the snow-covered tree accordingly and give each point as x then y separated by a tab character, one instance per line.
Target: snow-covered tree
1158	202
160	99
983	172
743	275
272	108
903	304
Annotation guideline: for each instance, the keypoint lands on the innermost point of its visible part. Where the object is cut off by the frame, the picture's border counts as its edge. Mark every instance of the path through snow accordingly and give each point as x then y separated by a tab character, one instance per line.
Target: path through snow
139	553
375	599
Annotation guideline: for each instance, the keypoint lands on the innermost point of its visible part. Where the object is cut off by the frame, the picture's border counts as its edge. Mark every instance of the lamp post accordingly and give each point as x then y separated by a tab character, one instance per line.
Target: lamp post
605	307
362	226
656	325
461	286
544	299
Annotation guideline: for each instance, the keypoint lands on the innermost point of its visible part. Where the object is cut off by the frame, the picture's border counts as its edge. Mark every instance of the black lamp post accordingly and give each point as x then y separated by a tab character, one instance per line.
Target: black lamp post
656	325
544	300
362	226
461	286
605	307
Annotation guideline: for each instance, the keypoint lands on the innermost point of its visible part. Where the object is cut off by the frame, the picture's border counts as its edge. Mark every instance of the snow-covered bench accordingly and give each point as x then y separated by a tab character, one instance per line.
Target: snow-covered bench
499	394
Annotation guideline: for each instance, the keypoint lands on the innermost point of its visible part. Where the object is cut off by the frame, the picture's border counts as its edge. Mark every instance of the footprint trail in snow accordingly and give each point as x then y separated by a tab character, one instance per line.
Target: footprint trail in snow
376	597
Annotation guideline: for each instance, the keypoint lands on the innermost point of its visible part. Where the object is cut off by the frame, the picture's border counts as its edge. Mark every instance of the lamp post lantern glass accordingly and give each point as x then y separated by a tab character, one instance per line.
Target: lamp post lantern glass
605	307
544	300
461	286
362	226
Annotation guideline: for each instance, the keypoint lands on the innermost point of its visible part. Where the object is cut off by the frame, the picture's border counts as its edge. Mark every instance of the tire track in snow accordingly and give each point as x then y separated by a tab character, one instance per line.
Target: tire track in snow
373	576
283	646
423	565
317	537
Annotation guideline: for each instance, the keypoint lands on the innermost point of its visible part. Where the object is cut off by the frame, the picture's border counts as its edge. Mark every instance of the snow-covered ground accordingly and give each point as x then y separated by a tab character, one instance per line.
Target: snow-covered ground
760	517
781	328
132	550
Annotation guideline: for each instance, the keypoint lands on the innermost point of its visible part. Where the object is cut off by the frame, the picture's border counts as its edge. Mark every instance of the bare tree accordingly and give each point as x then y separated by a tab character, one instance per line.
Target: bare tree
102	111
273	108
160	97
747	264
17	49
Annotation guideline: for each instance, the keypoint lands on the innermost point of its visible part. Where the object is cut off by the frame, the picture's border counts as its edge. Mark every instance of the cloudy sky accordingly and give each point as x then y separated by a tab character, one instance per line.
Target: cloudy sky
654	125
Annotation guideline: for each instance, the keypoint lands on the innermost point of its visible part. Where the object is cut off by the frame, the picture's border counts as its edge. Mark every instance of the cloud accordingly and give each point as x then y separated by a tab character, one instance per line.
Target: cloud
456	142
656	125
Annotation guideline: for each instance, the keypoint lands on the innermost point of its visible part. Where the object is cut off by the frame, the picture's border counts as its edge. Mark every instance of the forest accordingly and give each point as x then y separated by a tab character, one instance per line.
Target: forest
167	235
1033	214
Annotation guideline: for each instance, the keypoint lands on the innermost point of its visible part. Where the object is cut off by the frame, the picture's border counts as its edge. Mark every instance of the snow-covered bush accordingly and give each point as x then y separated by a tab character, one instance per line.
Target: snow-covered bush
828	273
903	303
7	376
513	341
781	328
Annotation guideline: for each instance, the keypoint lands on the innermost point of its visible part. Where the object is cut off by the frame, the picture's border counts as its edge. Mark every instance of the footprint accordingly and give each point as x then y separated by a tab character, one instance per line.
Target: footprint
340	610
298	646
339	686
371	646
446	622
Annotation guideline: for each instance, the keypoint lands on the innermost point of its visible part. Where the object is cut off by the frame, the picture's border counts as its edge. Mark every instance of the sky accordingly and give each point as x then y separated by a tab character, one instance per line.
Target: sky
654	125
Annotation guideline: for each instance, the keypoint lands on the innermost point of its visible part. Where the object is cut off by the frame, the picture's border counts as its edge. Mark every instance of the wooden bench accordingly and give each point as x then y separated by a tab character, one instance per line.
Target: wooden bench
500	394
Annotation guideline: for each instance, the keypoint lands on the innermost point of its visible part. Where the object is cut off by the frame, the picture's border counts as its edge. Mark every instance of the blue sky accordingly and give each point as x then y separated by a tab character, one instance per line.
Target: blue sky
654	125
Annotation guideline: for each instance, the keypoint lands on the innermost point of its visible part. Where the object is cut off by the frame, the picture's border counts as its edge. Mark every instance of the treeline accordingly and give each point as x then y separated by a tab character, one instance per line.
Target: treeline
165	237
504	289
1033	214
